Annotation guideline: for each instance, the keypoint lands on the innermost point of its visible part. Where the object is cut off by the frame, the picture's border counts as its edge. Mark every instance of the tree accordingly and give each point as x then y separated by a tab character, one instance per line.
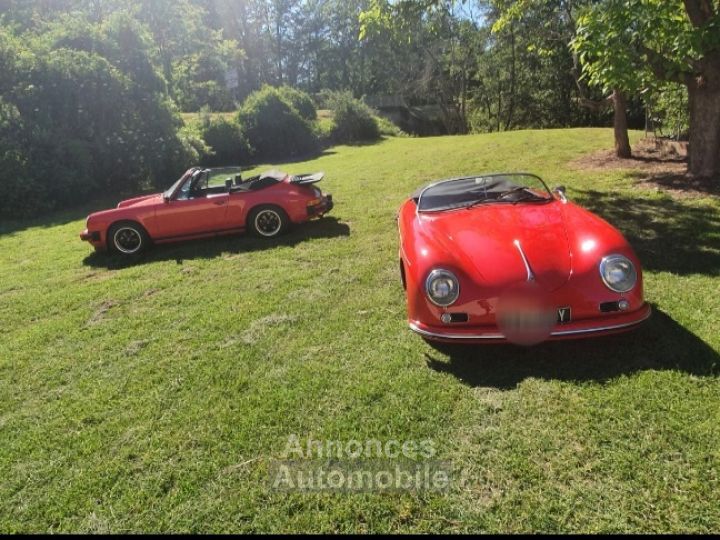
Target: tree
671	41
83	111
440	53
692	57
557	21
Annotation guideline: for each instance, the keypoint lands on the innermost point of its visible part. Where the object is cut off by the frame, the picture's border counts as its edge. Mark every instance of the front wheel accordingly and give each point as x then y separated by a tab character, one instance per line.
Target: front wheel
128	238
268	221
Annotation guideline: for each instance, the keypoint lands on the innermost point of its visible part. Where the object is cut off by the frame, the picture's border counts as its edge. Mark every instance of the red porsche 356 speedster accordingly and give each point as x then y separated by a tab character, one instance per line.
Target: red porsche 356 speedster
209	202
497	258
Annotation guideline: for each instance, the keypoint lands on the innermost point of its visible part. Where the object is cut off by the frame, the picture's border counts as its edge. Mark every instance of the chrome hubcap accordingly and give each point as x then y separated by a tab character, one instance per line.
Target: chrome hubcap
268	223
127	240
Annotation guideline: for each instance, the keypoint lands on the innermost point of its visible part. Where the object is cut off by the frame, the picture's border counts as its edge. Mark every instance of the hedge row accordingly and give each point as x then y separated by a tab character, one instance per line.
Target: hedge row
281	123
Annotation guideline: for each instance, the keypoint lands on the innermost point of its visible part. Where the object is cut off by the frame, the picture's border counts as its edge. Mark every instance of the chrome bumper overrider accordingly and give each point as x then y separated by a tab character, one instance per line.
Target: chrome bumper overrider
557	333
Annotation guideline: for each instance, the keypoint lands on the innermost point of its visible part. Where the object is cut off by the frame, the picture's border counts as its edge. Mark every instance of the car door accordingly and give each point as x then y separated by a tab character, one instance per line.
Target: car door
192	216
193	209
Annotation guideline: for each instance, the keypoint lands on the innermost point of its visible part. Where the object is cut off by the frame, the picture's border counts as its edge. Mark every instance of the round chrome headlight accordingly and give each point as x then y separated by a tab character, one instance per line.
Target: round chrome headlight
442	287
618	273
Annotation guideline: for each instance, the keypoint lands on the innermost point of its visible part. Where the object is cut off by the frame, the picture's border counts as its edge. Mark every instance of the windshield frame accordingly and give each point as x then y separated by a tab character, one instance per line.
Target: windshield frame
169	193
481	201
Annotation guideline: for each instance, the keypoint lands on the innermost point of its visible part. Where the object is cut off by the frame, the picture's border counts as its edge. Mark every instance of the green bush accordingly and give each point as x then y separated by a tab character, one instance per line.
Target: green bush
194	147
323	128
273	128
224	140
387	127
353	120
300	101
78	119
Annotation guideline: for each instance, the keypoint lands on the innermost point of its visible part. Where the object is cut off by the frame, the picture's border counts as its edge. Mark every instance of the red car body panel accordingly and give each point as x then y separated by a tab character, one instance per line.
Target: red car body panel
563	243
216	214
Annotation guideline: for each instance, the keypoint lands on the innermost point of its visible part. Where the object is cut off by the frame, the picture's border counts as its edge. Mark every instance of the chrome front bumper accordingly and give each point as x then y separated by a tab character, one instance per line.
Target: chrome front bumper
573	330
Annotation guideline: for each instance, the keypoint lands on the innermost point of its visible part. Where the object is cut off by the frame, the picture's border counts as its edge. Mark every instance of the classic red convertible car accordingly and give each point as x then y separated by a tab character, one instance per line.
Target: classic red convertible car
197	206
498	258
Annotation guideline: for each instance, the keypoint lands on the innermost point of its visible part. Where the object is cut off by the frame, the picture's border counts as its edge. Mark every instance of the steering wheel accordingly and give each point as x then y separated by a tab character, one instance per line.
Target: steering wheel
510	192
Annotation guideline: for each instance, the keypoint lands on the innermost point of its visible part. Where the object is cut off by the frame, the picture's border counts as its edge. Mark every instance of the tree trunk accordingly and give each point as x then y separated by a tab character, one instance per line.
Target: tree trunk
622	142
511	106
704	101
278	40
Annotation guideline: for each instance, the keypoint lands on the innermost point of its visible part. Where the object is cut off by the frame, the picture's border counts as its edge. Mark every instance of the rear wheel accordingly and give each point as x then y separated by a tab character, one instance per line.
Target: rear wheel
128	238
268	221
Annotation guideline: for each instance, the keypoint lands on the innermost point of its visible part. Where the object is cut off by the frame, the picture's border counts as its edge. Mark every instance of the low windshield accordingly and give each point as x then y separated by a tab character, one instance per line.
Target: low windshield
204	180
169	191
492	189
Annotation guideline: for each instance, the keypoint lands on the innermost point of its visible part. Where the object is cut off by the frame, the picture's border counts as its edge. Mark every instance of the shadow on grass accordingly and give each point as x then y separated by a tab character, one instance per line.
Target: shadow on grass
669	235
59	218
208	248
679	182
660	344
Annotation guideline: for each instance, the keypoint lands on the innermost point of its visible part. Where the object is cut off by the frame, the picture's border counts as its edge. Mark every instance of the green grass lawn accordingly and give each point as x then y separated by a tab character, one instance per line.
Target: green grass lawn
155	397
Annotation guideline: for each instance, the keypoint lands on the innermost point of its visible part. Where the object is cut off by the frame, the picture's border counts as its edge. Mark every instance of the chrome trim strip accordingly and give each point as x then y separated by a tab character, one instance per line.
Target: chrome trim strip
420	331
530	273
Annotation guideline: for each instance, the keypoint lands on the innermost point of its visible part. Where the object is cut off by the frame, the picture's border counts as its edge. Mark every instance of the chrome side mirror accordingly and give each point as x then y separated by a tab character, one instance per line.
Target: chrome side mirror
560	192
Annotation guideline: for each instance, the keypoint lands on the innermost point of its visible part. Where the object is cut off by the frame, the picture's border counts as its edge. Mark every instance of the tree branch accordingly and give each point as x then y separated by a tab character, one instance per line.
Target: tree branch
595	105
660	66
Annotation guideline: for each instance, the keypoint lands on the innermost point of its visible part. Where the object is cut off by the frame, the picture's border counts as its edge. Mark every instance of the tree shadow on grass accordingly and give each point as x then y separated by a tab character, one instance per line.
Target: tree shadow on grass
58	218
660	344
679	183
669	235
208	248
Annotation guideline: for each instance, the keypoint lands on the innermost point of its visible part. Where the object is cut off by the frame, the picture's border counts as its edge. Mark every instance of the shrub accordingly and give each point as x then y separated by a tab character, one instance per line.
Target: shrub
387	128
323	128
79	119
354	121
192	145
273	128
224	140
300	101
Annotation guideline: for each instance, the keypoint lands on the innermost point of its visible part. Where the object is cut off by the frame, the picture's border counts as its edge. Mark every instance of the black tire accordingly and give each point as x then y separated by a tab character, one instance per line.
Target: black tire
268	221
127	238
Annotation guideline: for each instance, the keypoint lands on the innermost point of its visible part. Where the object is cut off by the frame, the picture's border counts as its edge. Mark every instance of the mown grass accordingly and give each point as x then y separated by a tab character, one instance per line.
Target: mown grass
155	397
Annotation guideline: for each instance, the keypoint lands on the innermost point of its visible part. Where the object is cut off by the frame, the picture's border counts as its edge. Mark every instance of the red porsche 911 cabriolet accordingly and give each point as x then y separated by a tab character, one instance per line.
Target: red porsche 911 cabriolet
498	258
209	202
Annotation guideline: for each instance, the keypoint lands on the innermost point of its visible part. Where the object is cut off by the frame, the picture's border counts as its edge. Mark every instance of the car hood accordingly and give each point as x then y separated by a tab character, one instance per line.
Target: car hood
144	200
488	242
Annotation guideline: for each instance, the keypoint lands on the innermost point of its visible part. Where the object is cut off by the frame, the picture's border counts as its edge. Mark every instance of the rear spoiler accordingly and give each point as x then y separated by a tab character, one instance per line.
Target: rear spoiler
306	179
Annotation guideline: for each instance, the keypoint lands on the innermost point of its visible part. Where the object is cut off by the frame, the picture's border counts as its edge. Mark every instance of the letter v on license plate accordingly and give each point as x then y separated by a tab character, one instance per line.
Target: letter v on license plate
564	315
